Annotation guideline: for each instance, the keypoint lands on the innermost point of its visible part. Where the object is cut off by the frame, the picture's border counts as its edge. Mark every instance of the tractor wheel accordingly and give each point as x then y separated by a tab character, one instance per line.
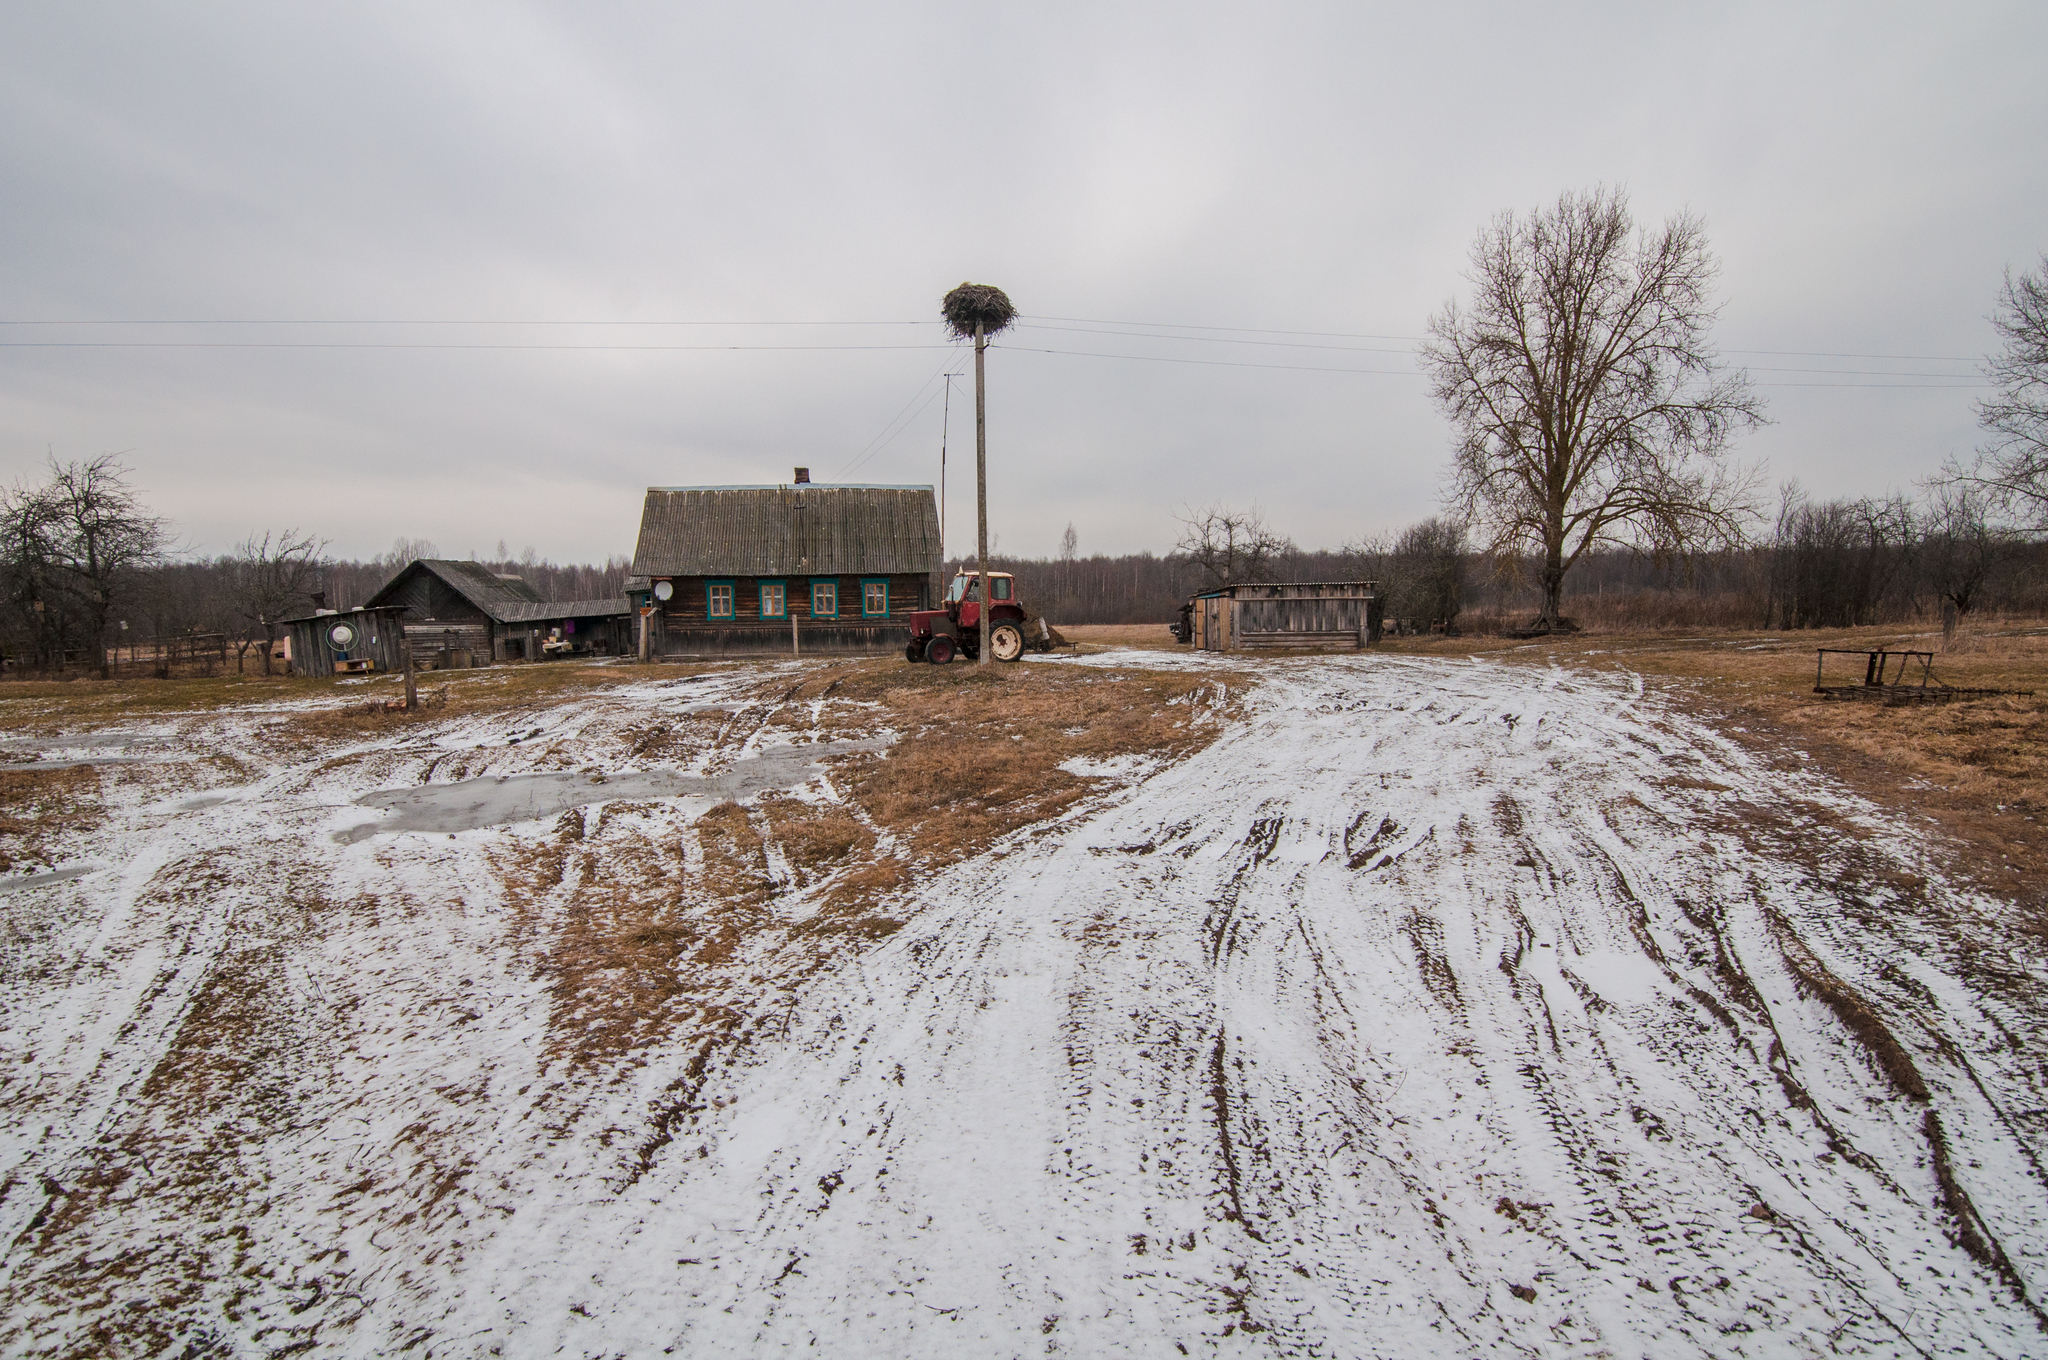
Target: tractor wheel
913	653
939	651
1006	642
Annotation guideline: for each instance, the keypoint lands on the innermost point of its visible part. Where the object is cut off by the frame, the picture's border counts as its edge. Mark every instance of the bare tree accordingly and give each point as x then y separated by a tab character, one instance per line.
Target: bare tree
1589	403
272	577
76	543
1227	545
28	560
1429	558
1961	551
1070	548
2013	468
1834	563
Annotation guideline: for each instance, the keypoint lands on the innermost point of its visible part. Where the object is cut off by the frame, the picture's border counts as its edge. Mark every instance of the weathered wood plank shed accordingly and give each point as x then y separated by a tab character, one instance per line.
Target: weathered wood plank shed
1265	614
464	606
721	570
324	643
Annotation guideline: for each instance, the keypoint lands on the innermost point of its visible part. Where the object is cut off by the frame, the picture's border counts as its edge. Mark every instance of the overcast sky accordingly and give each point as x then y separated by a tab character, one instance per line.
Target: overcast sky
447	244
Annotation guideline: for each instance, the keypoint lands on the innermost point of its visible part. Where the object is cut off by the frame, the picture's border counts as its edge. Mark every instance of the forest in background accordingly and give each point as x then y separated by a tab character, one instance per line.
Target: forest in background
81	560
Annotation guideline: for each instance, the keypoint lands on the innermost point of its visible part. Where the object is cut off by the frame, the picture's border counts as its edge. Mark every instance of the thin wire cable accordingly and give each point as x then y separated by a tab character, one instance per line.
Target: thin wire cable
1210	363
1369	349
1219	340
400	344
870	447
1409	373
423	321
898	432
1084	321
1359	335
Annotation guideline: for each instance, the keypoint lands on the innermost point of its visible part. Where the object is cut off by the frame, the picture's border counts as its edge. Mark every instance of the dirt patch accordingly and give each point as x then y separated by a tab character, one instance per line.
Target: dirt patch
39	807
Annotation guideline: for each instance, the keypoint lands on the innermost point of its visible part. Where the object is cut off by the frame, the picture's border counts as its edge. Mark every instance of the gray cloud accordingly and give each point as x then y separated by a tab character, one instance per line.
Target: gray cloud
1864	174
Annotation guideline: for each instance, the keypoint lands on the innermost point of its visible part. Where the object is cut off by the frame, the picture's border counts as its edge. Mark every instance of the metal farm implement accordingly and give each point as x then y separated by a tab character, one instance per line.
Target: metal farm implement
1886	676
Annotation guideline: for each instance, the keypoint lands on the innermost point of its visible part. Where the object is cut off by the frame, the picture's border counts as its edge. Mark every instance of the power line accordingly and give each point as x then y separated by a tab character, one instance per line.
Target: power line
1409	373
404	344
893	428
1350	335
1240	330
1220	340
424	321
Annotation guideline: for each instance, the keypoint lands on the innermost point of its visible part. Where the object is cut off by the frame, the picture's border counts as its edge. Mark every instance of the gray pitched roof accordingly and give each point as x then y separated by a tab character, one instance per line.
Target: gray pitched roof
787	531
475	582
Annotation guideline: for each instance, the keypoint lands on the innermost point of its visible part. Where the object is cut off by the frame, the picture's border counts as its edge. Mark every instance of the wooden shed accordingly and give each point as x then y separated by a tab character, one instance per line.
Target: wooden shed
1267	614
803	566
351	640
463	607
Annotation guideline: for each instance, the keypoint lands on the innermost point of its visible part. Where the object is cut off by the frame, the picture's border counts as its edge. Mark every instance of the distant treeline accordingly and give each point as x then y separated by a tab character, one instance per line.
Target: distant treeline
83	576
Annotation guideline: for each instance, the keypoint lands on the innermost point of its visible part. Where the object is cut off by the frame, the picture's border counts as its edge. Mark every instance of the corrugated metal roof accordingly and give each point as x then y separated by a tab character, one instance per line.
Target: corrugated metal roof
551	610
787	531
473	581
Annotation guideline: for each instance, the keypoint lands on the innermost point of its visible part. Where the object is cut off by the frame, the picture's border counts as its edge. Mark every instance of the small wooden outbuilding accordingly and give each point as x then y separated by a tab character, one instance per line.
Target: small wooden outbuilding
1267	614
464	607
330	643
804	566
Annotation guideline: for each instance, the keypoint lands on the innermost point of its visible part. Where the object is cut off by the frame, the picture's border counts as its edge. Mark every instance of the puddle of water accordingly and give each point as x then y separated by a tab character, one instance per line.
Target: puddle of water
21	881
66	741
473	803
70	762
50	751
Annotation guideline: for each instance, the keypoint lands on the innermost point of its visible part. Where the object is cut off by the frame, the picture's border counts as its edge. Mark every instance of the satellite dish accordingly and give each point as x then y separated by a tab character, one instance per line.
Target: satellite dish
342	636
664	590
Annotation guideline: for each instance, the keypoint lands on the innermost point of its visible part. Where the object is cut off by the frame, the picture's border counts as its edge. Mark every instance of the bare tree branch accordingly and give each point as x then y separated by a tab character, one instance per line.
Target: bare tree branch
1228	545
1589	402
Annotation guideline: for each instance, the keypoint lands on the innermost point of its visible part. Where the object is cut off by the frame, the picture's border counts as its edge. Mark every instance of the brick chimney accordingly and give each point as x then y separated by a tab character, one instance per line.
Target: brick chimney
803	475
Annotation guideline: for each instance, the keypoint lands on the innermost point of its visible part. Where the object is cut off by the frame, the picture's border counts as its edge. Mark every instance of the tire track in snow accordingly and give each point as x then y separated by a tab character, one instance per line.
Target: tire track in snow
1525	1068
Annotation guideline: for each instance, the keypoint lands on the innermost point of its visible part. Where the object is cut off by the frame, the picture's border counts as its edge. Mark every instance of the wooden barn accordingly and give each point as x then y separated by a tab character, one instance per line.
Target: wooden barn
802	567
455	608
1285	614
347	642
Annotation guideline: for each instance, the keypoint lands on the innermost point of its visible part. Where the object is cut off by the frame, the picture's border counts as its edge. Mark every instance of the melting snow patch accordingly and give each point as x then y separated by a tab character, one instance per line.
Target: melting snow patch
1622	979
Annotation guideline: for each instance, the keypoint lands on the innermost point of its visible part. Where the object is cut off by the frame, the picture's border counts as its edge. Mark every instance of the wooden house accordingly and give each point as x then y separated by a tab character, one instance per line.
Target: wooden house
802	567
455	608
347	642
1286	614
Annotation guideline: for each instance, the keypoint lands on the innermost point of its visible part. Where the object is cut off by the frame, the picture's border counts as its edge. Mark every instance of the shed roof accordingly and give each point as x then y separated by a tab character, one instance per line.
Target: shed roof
788	530
473	581
549	610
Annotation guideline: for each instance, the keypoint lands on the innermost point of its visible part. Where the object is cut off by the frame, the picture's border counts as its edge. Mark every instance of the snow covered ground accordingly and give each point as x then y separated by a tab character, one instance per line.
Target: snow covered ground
1437	1008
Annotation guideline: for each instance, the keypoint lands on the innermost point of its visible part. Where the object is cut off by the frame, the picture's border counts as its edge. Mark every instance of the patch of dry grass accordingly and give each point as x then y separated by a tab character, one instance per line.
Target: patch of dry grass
1147	636
656	927
39	806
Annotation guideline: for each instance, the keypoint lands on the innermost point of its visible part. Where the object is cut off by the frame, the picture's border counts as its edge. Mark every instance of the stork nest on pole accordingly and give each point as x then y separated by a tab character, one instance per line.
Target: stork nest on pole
973	304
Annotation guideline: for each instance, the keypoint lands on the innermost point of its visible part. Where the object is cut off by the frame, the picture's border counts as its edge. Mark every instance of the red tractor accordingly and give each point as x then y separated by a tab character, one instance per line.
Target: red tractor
937	634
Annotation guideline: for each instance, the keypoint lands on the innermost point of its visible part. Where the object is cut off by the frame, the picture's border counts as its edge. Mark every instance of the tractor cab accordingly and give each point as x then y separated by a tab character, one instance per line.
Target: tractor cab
967	586
938	634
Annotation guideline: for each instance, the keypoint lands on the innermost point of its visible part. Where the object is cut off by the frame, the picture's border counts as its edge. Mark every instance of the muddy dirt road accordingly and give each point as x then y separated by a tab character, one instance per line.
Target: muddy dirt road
1437	1007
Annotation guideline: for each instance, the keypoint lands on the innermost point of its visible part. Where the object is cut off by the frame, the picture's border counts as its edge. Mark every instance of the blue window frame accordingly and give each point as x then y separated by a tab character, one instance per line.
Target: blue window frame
774	599
824	597
874	597
721	600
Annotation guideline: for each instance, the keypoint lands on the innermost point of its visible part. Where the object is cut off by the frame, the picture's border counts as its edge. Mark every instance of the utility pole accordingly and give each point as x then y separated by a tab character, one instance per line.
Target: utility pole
945	425
981	657
977	311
